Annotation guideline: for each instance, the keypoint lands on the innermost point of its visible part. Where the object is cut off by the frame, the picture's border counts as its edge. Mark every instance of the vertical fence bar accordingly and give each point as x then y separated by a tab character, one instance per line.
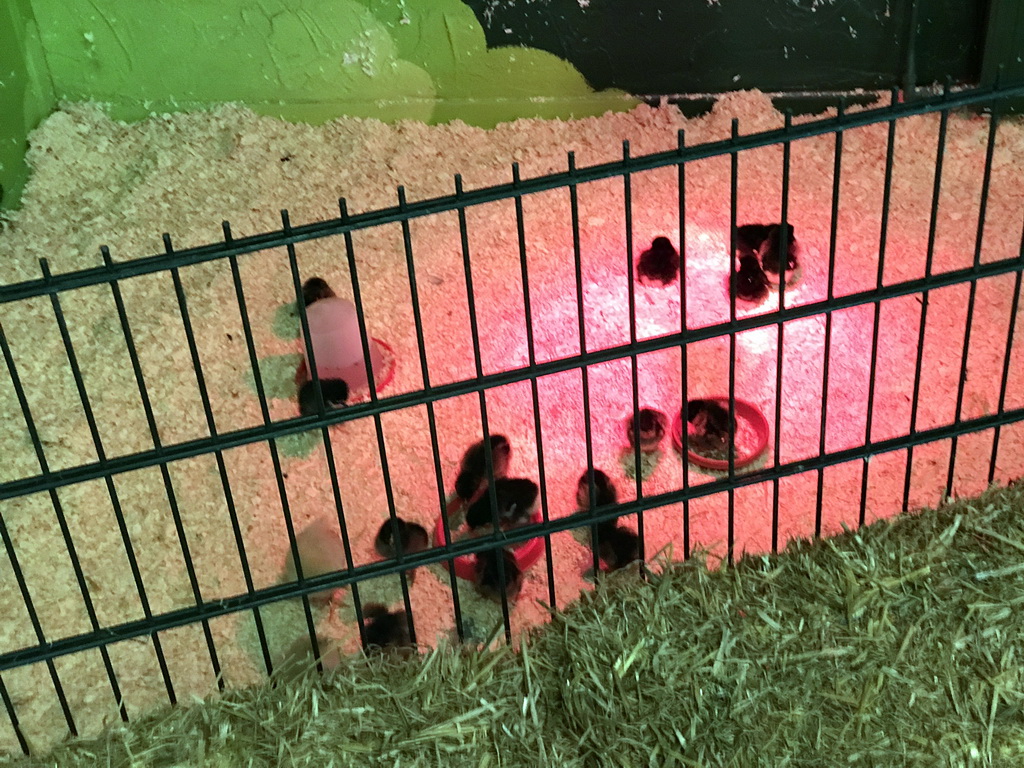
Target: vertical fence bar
534	394
378	423
574	211
83	395
683	353
1014	306
69	543
627	191
910	54
982	210
781	334
734	166
460	629
147	408
357	298
431	421
474	329
19	575
364	338
325	435
933	221
880	276
211	425
12	715
275	458
165	474
834	222
506	617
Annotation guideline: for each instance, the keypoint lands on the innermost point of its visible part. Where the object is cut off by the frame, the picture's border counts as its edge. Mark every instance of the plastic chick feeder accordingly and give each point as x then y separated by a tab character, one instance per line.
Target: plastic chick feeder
746	411
526	554
338	349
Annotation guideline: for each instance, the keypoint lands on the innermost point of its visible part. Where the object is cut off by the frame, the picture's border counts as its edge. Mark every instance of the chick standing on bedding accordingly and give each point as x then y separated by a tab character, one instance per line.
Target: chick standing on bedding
412	537
472	478
386	630
335	393
316	288
764	241
652	424
659	263
772	259
604	490
321	551
517	501
488	576
749	238
617	546
749	282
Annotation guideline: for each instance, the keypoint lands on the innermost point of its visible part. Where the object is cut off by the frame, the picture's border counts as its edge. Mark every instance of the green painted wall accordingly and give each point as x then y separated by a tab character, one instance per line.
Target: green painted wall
304	60
26	95
314	60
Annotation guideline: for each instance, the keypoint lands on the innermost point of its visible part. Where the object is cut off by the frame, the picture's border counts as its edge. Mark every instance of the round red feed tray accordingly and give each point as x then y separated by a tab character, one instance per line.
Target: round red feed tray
302	376
526	554
745	411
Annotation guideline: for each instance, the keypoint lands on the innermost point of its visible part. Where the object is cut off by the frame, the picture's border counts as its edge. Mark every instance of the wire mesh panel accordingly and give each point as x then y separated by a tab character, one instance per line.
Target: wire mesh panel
192	530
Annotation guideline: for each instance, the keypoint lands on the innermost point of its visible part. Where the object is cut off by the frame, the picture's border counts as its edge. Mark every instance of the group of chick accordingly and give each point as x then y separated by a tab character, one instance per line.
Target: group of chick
513	500
759	250
513	503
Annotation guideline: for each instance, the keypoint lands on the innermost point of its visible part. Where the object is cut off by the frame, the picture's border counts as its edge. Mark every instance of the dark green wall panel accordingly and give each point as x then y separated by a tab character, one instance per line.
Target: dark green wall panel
697	46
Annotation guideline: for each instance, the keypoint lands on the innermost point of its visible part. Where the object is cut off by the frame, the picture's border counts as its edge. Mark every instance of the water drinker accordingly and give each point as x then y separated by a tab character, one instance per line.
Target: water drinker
338	349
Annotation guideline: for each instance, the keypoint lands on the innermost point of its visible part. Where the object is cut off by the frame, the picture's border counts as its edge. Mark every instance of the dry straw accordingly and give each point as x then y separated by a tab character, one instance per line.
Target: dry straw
899	644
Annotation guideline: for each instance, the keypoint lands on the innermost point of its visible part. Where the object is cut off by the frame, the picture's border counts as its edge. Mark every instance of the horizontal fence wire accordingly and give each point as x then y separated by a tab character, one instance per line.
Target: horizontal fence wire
948	100
277	429
112	272
339	579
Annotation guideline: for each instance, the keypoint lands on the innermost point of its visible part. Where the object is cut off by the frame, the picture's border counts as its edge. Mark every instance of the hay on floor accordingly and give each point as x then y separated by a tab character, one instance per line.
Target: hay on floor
899	644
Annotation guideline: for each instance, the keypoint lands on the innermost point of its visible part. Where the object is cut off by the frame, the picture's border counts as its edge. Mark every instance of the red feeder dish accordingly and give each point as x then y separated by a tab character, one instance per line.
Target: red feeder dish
755	423
526	554
383	369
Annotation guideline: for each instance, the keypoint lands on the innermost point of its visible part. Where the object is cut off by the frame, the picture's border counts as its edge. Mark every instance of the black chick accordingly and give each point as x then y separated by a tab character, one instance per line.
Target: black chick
617	546
517	501
771	251
472	476
749	238
335	393
488	575
384	629
314	289
412	536
652	425
710	423
659	263
604	490
749	282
